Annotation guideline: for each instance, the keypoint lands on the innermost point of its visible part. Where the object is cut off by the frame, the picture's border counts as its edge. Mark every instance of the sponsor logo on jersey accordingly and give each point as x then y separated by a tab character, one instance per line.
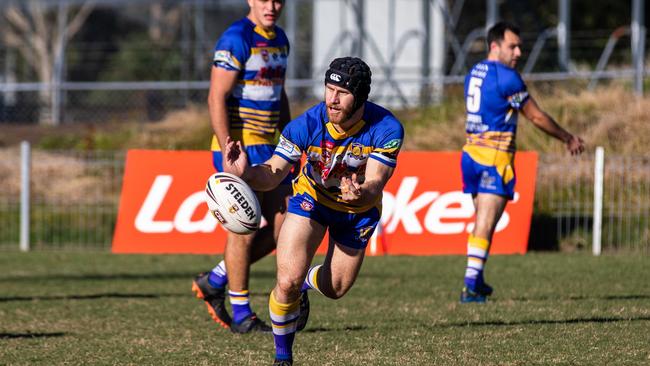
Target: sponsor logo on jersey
223	56
285	145
265	55
356	151
306	205
517	98
393	144
335	77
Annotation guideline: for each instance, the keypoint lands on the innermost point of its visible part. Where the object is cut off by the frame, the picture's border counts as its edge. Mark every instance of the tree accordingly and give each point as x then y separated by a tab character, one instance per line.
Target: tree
40	33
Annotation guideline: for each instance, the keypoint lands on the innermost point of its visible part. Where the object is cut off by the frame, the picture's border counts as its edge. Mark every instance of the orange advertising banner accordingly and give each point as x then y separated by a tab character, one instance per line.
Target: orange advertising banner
162	209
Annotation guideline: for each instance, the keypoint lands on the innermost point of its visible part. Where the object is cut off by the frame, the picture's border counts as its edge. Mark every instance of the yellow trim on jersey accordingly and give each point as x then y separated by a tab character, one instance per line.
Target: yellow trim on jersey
274	82
252	110
247	137
258	50
341	135
237	122
236	61
304	185
503	161
493	139
384	150
266	34
231	57
269	119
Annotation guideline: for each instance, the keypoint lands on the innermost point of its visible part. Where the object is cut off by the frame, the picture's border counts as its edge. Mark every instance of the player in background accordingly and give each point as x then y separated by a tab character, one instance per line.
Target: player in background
351	147
494	94
247	102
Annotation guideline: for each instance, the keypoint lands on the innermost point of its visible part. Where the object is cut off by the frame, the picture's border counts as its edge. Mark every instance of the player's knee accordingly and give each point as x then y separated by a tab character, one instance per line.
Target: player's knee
289	285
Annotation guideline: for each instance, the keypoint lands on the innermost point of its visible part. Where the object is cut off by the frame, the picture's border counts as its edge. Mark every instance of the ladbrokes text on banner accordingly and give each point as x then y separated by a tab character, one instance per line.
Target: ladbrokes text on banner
162	209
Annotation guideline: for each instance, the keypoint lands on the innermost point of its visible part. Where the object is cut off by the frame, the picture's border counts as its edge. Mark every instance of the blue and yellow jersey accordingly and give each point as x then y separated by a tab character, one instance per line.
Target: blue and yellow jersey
494	93
260	57
332	155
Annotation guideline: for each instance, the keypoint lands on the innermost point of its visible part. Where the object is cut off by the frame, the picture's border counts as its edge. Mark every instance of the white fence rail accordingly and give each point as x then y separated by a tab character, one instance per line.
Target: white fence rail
73	201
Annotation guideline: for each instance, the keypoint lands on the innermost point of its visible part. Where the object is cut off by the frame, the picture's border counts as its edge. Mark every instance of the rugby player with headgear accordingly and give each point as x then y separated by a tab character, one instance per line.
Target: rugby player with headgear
351	147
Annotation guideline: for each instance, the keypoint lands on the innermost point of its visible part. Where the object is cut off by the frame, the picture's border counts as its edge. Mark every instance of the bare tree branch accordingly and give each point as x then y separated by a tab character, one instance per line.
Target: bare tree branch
38	16
17	19
35	31
79	19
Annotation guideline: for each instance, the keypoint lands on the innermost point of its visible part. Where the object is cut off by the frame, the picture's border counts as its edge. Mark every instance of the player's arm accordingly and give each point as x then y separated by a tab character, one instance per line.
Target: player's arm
377	175
222	82
263	177
546	123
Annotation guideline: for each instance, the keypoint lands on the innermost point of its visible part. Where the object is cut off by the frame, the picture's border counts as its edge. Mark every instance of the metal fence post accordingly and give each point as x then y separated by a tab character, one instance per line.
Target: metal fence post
25	167
599	165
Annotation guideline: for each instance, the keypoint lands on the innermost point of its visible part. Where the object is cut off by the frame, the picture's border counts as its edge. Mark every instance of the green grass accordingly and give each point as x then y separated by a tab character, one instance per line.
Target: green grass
103	309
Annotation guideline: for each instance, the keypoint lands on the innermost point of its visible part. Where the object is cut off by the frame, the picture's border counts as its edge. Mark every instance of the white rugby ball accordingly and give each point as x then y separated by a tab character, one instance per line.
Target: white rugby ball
233	203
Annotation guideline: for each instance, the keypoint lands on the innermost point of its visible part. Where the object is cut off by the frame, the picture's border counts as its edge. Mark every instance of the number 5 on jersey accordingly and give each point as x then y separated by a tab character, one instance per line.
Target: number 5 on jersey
473	103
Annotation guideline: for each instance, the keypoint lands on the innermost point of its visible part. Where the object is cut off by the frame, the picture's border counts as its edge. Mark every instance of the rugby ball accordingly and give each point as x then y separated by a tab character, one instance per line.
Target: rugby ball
233	203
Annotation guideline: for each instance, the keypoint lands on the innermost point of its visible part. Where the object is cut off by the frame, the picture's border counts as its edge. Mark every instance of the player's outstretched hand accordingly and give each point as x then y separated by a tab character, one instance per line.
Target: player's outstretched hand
235	160
350	188
575	145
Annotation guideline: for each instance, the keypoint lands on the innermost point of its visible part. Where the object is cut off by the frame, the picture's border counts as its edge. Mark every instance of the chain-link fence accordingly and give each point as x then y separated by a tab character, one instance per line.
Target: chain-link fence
75	201
137	60
564	203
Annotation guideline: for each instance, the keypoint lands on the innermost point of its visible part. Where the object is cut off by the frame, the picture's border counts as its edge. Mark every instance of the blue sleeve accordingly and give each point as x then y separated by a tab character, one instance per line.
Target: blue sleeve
513	88
293	140
285	40
388	141
231	51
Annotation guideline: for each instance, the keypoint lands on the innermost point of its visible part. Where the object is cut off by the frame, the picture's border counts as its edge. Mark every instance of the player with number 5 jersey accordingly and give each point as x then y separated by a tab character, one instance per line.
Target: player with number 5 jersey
494	95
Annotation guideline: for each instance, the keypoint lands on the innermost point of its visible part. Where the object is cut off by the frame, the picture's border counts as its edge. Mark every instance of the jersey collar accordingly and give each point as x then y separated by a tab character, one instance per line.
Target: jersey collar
341	135
259	30
266	34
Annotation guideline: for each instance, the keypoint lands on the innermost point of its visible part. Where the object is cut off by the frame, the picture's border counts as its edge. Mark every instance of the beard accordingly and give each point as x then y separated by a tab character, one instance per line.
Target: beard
339	116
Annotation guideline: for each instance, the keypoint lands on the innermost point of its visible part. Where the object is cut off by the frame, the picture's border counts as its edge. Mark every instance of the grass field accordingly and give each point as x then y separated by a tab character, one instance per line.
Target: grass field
103	309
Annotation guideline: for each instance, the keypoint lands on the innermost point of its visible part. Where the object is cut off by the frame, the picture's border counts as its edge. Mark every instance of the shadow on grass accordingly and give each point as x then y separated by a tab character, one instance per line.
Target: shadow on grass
321	329
120	276
108	295
579	298
498	323
30	335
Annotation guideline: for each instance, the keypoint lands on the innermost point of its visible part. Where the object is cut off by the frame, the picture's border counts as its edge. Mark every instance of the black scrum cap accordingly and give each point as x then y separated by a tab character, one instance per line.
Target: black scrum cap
352	74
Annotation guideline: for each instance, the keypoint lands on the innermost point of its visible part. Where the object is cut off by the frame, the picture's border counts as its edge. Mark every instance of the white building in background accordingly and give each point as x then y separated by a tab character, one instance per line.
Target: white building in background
404	46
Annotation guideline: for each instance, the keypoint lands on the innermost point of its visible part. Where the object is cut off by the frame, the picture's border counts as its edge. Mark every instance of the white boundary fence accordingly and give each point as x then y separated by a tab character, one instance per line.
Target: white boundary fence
69	200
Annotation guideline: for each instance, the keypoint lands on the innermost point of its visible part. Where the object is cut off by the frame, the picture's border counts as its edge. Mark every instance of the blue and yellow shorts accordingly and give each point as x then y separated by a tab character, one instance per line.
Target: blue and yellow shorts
496	179
352	230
